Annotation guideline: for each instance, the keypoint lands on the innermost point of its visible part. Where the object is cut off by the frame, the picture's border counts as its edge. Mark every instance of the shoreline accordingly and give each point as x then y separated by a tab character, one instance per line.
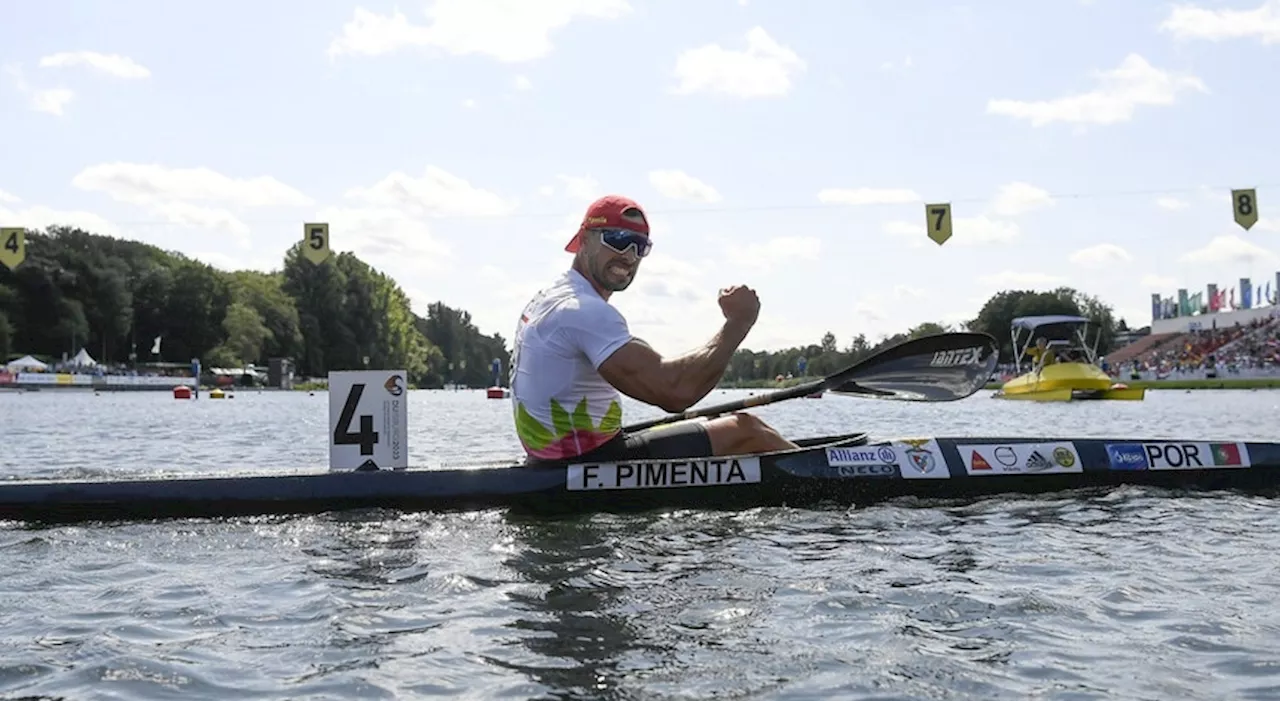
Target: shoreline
1194	383
1182	383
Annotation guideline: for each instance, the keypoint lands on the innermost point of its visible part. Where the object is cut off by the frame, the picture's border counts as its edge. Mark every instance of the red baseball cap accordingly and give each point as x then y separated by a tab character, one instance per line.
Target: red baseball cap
611	212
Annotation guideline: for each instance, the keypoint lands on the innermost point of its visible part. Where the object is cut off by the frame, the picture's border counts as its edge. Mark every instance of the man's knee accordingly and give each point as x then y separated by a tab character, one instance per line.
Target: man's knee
737	433
750	425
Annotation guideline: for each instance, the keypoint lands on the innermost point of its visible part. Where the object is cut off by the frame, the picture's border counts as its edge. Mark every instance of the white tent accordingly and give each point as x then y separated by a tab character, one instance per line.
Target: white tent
26	362
83	360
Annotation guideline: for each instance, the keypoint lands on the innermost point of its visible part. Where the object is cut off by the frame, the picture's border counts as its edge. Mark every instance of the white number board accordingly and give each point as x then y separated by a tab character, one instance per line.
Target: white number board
368	419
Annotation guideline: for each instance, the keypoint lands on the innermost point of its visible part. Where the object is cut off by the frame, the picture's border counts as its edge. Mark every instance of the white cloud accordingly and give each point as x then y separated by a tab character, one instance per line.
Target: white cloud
1019	198
867	195
523	83
914	233
870	309
890	65
765	255
679	185
437	193
1021	279
1191	22
193	215
1151	281
110	64
907	292
39	217
50	101
985	228
469	103
8	198
182	195
764	69
966	231
151	183
1170	203
1099	256
1229	248
385	237
584	188
903	228
53	101
507	31
1134	83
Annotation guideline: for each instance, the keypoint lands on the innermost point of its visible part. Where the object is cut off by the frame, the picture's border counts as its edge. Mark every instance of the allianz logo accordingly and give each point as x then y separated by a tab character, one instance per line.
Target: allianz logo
881	455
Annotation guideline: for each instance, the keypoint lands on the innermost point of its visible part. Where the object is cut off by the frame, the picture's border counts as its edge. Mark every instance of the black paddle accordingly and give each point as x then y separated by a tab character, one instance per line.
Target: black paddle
940	368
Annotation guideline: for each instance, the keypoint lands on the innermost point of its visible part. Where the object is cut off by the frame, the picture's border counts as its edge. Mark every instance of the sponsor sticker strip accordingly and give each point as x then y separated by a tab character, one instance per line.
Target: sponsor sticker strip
1020	458
1176	455
912	458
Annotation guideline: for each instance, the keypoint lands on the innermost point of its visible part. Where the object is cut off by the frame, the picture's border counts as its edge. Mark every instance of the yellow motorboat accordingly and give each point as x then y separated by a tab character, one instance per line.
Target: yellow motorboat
1062	369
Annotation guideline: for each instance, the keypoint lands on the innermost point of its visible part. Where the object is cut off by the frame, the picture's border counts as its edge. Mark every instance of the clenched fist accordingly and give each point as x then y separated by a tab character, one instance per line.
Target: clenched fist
740	304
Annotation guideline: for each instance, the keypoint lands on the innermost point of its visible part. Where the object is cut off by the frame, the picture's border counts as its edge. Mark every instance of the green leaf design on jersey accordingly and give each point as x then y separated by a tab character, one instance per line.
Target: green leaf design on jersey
560	423
538	437
612	420
530	430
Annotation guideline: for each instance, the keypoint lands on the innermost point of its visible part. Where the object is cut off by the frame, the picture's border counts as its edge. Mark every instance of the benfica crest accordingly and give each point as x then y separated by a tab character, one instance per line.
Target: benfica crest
918	457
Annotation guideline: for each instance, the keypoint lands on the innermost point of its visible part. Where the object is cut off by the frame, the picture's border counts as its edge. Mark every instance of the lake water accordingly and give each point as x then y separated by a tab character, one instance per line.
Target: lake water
1135	594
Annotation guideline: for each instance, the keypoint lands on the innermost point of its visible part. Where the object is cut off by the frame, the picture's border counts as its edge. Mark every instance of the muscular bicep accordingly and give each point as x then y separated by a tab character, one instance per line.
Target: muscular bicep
636	370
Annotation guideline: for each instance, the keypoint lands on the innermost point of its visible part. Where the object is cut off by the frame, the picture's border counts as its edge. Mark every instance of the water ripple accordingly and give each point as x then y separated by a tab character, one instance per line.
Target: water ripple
1132	593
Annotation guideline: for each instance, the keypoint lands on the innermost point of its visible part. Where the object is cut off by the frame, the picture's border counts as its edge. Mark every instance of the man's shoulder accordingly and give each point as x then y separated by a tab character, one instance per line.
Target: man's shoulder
567	295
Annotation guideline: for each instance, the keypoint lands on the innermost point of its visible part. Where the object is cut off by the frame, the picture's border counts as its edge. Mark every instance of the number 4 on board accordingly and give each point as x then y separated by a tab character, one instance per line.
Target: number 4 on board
13	247
368	420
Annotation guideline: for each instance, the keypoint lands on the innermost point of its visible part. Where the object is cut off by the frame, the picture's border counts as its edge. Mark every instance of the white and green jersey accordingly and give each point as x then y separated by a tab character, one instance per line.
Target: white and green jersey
563	407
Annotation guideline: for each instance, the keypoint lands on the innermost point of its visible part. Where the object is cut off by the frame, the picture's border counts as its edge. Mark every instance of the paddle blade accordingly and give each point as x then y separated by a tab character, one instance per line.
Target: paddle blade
941	368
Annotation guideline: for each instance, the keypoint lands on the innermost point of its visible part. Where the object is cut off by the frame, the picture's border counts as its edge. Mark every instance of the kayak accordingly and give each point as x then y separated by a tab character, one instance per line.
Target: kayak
846	469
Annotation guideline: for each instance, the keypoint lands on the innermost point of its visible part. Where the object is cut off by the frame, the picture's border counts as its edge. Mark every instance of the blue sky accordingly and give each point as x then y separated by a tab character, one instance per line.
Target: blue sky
786	146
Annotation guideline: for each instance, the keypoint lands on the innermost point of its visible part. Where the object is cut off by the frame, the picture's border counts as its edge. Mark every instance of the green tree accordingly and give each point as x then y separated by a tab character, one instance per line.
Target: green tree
6	337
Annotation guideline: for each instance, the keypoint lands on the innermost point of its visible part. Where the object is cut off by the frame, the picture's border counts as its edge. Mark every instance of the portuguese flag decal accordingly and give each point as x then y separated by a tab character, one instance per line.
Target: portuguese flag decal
1225	453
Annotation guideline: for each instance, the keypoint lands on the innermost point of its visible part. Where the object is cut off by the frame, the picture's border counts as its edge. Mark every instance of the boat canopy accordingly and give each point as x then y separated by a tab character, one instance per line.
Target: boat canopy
1031	322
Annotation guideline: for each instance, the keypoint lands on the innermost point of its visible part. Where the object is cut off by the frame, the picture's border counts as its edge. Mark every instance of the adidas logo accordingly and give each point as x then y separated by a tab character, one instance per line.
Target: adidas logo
1038	462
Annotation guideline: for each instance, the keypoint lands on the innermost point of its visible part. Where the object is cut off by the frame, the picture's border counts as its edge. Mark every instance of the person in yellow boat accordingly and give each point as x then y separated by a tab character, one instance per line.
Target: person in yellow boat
1040	353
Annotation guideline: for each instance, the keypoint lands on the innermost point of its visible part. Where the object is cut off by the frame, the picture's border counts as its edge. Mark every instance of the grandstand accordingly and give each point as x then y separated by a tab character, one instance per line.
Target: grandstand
1191	338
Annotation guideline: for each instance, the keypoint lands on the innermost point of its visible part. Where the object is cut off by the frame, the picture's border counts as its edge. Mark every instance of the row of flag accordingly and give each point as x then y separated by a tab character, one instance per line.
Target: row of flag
1215	300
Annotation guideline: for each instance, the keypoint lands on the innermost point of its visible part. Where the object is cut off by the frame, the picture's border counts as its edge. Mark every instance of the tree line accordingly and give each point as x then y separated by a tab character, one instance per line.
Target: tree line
759	368
113	297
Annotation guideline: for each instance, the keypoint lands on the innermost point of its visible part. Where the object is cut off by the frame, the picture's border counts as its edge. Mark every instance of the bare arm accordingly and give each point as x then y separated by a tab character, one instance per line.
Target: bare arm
638	371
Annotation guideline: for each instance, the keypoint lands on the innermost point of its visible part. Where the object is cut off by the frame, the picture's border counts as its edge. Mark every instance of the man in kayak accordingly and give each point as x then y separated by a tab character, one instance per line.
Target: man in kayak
574	356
